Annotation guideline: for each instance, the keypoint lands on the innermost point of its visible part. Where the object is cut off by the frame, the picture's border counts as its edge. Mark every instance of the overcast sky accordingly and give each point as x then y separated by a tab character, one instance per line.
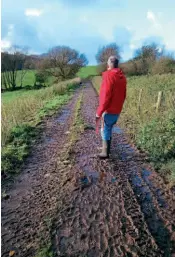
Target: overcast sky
87	24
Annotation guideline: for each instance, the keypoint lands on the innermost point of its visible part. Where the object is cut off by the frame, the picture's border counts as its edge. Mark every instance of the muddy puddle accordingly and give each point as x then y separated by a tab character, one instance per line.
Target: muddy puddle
64	116
148	207
91	177
117	130
147	195
48	140
146	176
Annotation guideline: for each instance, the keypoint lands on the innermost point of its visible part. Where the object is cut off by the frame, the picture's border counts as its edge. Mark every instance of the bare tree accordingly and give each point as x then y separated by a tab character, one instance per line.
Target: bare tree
106	51
13	61
22	74
62	62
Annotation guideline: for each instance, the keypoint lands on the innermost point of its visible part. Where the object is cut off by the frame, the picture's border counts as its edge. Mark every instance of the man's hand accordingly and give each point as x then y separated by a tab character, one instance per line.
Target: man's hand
97	117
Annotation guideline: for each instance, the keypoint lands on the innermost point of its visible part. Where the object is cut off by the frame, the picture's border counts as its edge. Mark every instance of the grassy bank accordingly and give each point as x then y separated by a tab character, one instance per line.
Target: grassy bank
149	125
20	117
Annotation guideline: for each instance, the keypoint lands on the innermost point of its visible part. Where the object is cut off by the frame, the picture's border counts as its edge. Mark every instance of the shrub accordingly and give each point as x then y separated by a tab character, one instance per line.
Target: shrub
158	138
101	68
164	65
40	77
129	68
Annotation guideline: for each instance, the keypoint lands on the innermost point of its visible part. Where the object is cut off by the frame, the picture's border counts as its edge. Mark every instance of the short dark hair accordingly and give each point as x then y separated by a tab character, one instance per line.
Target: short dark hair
114	60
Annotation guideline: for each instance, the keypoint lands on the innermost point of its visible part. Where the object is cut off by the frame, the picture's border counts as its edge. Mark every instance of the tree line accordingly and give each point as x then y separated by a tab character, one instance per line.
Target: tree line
63	62
148	59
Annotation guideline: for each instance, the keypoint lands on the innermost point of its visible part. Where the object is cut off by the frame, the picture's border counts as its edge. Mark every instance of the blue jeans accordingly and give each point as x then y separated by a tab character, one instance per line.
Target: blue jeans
108	122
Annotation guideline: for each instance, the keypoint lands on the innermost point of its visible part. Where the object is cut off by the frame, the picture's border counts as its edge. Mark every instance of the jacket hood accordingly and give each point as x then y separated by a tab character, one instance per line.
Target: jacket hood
118	71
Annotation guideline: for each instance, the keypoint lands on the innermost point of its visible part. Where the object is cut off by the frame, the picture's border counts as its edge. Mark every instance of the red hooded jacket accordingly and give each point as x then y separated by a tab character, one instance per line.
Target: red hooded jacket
112	92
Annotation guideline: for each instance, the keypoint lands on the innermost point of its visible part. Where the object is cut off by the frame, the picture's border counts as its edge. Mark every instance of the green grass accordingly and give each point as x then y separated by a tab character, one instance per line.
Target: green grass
45	252
86	72
13	95
21	116
29	78
152	131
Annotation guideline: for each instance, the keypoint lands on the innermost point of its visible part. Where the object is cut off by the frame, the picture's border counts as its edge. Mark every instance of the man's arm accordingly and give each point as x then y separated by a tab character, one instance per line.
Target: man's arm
108	84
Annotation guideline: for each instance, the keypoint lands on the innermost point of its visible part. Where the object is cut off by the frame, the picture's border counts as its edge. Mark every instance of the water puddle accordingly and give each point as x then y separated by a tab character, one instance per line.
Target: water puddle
63	117
93	177
117	130
145	198
49	140
89	127
126	152
146	175
146	193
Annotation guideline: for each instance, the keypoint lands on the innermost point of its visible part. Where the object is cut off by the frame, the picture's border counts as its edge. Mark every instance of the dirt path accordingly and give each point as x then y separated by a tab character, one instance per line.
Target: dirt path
120	208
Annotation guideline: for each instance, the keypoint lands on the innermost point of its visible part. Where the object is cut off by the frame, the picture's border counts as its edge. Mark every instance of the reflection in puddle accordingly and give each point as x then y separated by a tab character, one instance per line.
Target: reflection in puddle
137	181
146	194
49	140
126	152
145	198
64	116
117	130
146	175
93	177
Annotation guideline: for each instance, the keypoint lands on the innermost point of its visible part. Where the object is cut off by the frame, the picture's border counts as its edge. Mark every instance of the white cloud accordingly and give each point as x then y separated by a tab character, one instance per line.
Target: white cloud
153	19
6	41
10	30
151	16
5	45
132	46
33	12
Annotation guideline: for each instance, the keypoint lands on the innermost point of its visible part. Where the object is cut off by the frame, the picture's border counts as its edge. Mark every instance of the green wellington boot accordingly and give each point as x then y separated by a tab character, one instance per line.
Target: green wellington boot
105	150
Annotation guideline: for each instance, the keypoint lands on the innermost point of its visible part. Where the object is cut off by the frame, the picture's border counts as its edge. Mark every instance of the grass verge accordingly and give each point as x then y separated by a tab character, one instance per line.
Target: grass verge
151	129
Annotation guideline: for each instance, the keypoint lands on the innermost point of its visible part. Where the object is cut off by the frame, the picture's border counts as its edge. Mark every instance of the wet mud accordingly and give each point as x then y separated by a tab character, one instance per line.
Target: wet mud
118	207
99	208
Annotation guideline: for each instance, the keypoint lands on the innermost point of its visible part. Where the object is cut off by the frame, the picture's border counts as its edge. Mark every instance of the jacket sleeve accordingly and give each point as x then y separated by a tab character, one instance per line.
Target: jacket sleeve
105	101
125	90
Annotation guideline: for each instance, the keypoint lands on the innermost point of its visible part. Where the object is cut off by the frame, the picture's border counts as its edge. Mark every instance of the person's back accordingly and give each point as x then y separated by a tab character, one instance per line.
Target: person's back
113	90
112	97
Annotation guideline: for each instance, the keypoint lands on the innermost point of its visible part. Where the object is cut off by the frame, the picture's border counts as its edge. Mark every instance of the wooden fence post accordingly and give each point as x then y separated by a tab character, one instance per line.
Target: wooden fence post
159	100
140	97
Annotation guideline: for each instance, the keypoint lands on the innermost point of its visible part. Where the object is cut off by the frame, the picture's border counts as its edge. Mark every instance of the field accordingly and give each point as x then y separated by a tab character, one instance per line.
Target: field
86	72
29	79
149	125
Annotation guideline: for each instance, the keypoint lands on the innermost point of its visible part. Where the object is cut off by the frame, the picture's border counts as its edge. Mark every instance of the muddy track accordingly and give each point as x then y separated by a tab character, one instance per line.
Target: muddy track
83	206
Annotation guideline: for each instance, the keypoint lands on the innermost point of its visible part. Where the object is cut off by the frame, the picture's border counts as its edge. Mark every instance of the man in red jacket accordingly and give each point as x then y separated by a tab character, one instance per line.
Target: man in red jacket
112	97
